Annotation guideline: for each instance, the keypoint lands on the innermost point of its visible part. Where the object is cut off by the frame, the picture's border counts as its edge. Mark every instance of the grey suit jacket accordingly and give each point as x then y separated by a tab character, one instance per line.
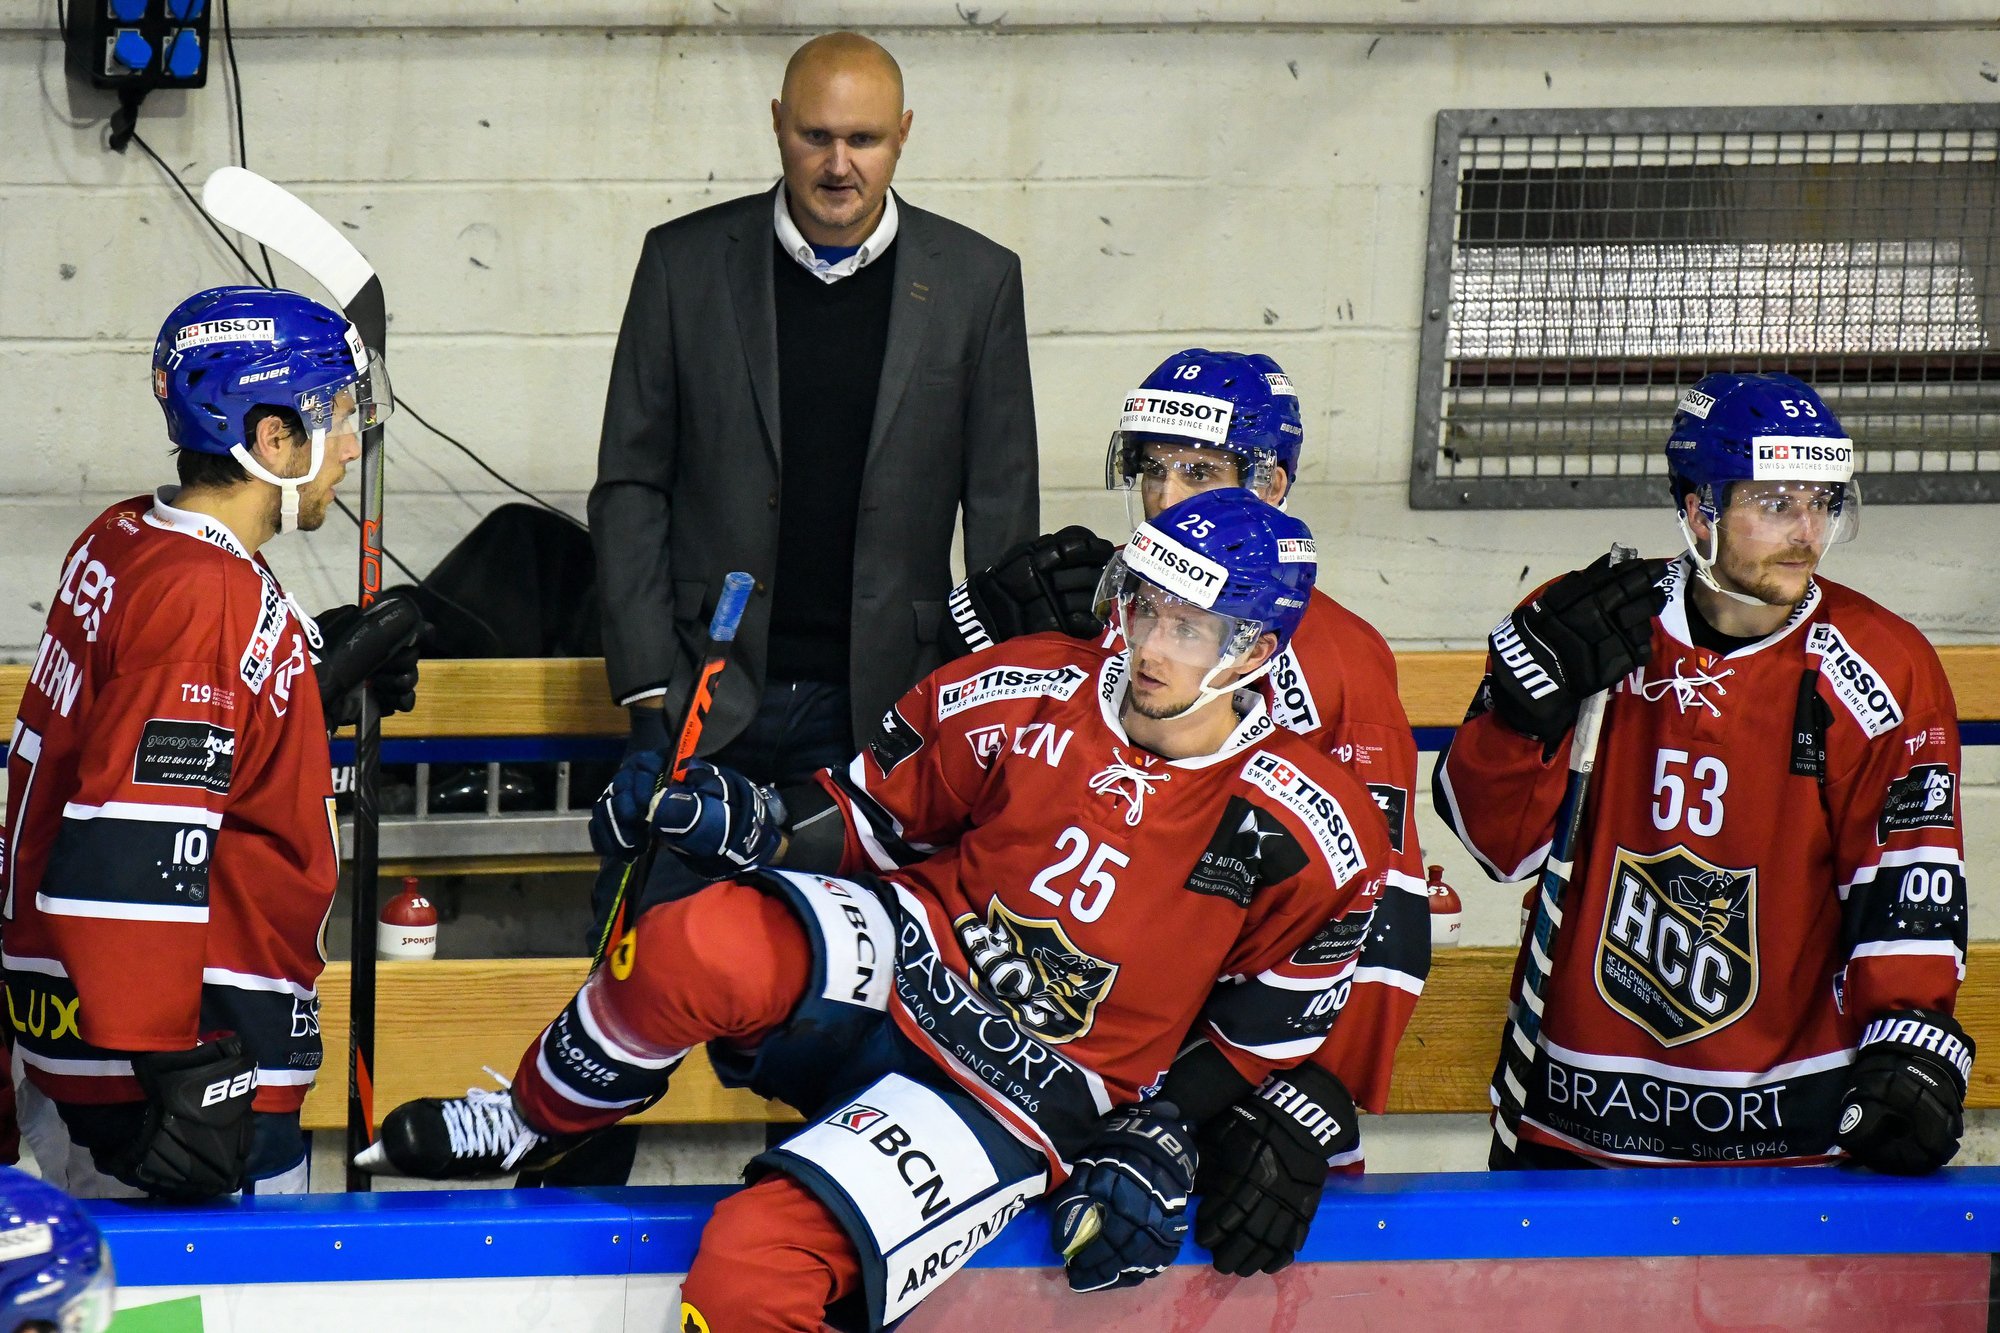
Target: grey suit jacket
688	467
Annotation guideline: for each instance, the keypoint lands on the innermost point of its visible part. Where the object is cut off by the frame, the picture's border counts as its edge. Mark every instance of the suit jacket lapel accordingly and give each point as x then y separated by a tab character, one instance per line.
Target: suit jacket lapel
754	300
914	292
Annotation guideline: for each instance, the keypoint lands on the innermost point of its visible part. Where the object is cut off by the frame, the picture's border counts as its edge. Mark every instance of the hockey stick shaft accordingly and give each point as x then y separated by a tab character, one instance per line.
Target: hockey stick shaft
1522	1033
273	216
722	628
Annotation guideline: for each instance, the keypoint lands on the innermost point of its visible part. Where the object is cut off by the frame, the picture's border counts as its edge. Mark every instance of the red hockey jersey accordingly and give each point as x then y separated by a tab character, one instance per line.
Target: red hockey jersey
1136	899
170	845
1772	857
1335	685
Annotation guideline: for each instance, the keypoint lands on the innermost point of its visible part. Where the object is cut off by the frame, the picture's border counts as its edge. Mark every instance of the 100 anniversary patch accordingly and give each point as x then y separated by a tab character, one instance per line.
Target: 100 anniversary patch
174	753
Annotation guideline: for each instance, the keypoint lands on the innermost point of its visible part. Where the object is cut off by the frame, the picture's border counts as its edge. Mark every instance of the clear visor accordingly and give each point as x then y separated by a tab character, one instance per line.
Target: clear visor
1156	623
1157	474
349	408
1773	519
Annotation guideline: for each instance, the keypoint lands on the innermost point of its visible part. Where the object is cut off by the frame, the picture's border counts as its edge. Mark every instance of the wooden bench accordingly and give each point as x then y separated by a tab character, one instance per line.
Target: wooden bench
438	1022
566	696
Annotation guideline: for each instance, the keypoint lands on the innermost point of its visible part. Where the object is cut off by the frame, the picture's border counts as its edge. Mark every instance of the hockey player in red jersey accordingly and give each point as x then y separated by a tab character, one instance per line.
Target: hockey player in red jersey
1203	420
170	848
1765	928
1086	855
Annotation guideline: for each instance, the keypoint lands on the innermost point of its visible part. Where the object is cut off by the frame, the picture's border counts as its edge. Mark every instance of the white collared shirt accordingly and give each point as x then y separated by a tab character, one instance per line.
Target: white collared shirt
799	248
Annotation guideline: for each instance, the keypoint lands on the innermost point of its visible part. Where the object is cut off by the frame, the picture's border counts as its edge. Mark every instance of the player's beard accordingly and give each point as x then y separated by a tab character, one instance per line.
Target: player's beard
1163	709
1763	579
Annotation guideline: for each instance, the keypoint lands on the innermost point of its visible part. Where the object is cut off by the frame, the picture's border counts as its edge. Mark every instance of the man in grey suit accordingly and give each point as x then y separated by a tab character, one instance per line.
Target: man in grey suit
810	383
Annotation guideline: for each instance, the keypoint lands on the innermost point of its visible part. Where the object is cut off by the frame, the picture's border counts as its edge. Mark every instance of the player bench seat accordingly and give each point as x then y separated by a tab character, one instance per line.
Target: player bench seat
438	1022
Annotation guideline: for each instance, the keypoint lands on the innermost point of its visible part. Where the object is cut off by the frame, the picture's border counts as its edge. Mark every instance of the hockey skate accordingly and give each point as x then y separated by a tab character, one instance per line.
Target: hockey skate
479	1136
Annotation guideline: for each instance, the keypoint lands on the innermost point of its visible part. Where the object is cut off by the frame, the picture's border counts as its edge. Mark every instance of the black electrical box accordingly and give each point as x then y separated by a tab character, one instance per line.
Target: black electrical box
139	44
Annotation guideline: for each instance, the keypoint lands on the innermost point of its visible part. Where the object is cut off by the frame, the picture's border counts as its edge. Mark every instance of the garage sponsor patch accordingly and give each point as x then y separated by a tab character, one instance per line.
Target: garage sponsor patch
1921	798
175	753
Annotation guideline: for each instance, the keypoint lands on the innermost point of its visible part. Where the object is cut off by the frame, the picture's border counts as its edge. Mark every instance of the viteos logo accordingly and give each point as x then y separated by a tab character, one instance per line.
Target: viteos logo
1193	415
224	331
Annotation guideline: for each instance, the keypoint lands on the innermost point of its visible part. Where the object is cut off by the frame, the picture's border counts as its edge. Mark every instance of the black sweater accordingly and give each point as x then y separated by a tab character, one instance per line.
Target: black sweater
831	337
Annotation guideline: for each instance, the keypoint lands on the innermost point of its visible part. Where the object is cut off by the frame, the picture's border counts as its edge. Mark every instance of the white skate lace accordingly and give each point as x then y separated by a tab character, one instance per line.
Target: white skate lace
1687	689
1113	779
484	1123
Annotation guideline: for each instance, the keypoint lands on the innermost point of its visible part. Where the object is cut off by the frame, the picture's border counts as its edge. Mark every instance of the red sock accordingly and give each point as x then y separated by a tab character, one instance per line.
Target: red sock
771	1260
729	962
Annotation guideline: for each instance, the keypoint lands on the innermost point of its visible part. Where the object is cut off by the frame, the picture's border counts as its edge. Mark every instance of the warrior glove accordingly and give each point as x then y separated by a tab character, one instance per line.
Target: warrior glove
1263	1168
195	1143
1904	1108
1579	636
1044	583
618	819
1120	1218
376	647
718	821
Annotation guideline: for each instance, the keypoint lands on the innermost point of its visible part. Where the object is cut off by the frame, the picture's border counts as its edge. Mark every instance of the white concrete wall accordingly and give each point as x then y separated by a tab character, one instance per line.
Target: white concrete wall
1255	178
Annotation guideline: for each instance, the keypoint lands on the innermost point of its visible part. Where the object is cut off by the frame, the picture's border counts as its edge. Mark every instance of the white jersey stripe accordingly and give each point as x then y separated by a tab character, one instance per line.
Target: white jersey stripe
104	911
145	812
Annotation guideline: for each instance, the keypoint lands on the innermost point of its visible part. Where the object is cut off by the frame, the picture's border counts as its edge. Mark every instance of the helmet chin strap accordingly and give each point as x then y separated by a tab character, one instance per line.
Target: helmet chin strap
288	487
1704	565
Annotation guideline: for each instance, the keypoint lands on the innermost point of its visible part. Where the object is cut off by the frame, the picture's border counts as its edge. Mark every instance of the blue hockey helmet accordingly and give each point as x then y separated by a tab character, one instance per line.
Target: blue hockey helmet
1774	429
1228	566
1240	404
228	350
55	1271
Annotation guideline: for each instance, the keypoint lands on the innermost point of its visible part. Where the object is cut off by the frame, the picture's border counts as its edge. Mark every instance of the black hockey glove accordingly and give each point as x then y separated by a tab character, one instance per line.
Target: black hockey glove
1580	635
1263	1168
719	821
1044	583
195	1142
377	647
1904	1108
1119	1219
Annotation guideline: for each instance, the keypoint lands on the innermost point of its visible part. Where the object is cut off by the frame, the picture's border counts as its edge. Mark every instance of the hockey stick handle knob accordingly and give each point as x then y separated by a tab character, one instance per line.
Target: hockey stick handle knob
730	607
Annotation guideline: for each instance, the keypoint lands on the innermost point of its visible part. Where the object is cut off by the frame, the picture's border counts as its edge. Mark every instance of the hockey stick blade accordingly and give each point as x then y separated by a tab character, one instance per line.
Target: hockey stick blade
273	216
